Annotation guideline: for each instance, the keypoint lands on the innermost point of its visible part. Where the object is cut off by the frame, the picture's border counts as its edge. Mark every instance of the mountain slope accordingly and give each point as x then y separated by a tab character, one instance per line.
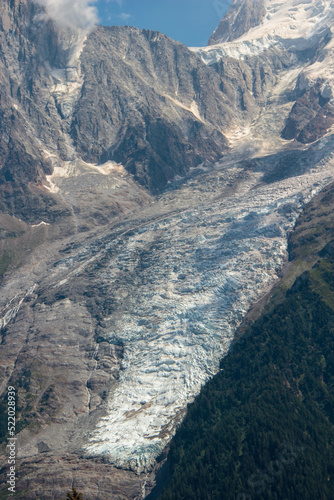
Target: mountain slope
169	197
148	86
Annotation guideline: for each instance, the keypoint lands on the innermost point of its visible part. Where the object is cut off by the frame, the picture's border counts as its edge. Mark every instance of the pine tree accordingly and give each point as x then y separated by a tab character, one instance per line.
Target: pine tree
74	495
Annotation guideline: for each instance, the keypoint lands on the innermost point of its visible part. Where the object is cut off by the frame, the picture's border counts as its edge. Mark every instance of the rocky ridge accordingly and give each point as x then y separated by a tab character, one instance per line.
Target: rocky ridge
290	38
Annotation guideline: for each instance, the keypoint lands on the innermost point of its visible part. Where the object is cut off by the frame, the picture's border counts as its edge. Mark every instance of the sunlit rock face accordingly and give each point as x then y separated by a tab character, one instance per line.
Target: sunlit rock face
170	180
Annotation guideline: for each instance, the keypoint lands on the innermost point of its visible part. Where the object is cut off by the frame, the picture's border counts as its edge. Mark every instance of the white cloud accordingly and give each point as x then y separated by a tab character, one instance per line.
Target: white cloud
73	13
119	2
124	16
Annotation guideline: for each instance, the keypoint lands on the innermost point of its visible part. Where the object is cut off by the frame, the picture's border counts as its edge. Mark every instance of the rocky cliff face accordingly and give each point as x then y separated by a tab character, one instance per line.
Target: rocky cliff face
150	104
136	98
240	18
157	186
30	123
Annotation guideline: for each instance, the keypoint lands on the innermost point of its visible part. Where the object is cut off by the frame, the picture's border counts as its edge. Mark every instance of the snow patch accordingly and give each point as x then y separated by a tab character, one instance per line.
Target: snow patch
68	81
193	108
41	224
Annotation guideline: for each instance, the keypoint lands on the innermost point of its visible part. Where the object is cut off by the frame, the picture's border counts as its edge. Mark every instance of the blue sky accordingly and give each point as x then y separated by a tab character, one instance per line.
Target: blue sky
188	21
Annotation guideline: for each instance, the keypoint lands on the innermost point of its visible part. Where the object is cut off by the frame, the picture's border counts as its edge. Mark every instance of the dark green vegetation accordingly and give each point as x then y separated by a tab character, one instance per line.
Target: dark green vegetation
3	421
263	428
5	262
30	408
74	495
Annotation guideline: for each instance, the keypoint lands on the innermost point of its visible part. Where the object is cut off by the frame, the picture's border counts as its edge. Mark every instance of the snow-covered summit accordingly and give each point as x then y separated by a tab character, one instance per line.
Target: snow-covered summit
303	28
287	19
293	24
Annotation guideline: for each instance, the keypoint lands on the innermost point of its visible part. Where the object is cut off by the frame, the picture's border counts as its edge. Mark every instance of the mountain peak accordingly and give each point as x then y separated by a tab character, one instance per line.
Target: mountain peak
288	19
241	16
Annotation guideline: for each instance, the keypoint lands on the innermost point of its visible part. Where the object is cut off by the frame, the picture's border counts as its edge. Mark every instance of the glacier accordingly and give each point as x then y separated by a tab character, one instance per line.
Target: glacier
182	285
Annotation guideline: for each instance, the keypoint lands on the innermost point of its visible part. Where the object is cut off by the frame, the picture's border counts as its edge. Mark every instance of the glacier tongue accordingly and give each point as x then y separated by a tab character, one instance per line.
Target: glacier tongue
182	286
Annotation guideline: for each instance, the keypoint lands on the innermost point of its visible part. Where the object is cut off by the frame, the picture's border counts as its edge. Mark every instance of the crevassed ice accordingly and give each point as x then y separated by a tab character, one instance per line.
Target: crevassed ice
183	286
